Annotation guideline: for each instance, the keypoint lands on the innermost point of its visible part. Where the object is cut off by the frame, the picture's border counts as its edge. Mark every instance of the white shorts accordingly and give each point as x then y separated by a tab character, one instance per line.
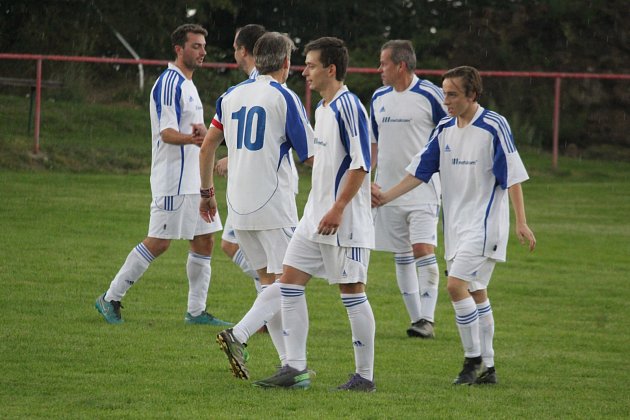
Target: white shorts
177	217
337	264
396	228
265	248
474	269
228	231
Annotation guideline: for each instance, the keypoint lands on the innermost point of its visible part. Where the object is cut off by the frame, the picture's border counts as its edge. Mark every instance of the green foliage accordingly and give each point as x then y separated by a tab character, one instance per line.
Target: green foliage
562	328
541	35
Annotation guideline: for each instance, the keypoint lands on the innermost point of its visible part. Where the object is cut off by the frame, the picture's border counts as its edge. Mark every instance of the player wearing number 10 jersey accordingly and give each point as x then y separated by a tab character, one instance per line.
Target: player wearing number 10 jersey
262	121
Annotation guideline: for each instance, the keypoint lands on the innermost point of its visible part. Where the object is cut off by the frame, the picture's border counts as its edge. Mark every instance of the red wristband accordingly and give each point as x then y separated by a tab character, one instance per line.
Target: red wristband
207	192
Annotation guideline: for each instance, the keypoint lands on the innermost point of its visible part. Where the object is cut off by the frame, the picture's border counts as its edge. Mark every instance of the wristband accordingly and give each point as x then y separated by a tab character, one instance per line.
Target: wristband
207	192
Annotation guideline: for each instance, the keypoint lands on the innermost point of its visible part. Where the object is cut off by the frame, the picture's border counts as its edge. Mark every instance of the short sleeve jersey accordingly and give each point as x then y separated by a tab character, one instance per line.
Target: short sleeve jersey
296	179
262	121
341	144
401	124
175	104
477	164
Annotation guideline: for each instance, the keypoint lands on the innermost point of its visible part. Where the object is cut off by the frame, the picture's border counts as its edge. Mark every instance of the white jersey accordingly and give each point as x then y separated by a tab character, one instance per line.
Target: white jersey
477	164
262	121
401	124
341	144
174	104
296	179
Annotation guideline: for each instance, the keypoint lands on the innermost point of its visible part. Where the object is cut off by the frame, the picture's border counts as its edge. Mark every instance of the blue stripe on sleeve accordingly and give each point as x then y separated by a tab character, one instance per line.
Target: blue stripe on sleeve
295	126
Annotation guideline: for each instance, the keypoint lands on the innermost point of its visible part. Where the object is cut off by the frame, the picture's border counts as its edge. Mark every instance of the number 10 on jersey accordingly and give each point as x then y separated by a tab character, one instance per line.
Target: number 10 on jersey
245	120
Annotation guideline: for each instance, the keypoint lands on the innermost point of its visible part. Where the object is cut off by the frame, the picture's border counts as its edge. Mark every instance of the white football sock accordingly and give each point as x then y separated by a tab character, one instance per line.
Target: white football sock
486	332
467	321
295	324
363	329
428	279
407	280
199	273
134	267
274	328
265	307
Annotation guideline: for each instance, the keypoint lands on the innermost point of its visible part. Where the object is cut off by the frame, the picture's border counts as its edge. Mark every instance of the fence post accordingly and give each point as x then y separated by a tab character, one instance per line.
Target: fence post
556	124
38	102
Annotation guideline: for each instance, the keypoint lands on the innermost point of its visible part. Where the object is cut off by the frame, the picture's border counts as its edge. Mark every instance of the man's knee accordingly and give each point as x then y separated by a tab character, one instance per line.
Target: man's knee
421	250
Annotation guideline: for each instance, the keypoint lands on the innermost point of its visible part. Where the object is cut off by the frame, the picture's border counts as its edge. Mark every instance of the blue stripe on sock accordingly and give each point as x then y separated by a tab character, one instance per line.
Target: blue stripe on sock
428	261
144	252
203	257
485	310
290	292
404	260
349	302
467	319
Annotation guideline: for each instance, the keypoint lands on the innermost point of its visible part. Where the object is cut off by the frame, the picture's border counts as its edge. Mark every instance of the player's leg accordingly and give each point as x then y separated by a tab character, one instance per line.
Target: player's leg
407	280
137	262
392	234
350	272
139	259
486	330
230	247
423	236
301	260
198	264
460	284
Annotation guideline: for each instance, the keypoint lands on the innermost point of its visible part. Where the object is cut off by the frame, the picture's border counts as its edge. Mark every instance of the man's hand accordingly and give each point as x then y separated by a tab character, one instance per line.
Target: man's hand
198	133
330	222
221	167
376	195
524	233
208	209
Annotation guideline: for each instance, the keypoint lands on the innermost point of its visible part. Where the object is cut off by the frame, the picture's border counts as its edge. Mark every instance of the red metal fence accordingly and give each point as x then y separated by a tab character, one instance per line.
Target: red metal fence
557	76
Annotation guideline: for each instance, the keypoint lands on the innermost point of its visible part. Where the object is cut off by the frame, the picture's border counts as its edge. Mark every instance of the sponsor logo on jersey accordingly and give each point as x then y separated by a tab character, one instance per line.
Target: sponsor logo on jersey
395	120
458	161
191	99
447	148
320	142
382	109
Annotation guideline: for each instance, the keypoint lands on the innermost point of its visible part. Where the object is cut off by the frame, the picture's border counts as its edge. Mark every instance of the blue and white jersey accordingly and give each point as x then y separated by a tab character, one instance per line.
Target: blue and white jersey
477	163
296	179
401	124
341	143
174	104
262	121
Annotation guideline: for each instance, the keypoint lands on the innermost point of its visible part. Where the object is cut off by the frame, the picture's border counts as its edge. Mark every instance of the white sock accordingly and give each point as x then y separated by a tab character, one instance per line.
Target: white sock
467	321
428	279
265	307
486	332
274	328
407	279
134	267
295	324
199	273
363	329
240	260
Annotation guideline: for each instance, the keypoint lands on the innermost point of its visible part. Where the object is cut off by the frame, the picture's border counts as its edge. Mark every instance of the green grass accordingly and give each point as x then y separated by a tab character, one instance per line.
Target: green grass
562	313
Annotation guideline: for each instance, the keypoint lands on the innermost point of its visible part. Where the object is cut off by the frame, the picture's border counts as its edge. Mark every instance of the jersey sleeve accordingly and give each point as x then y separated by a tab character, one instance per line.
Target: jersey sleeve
167	97
297	128
373	123
354	131
508	168
427	161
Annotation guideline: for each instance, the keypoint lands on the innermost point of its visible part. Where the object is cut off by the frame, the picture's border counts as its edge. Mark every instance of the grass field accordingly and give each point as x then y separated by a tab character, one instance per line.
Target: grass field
562	313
